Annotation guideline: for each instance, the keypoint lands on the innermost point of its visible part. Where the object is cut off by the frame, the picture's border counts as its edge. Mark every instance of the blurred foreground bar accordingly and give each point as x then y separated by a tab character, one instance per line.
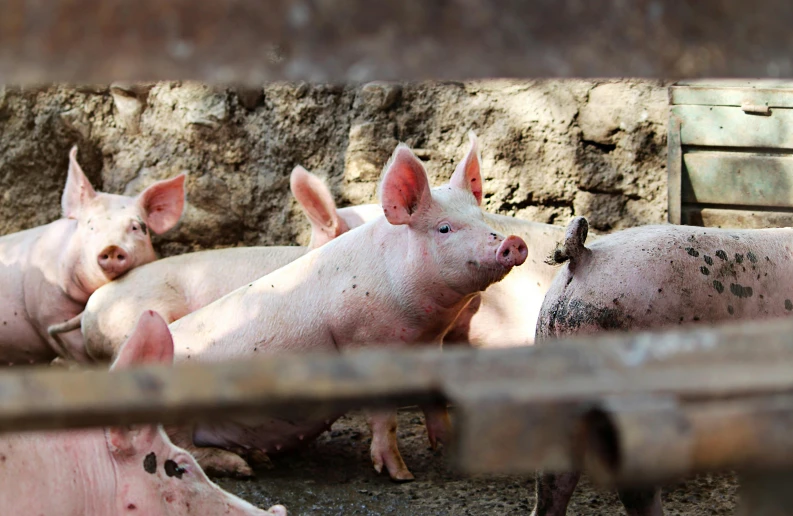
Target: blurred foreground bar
631	408
252	41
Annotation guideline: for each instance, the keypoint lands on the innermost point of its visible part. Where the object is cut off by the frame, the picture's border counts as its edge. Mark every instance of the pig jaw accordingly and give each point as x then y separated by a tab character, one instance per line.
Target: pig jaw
162	479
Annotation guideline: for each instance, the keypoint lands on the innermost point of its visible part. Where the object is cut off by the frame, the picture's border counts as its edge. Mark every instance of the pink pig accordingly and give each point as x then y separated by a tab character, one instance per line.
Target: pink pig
402	278
113	471
179	285
655	277
47	273
506	313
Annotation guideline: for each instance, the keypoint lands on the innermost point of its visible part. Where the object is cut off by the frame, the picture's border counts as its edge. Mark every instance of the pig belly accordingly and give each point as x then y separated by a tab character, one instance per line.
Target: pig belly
270	435
20	343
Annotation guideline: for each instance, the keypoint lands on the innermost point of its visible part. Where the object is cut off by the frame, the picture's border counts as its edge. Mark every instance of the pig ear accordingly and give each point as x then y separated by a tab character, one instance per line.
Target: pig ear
162	203
467	175
78	189
405	189
150	342
314	197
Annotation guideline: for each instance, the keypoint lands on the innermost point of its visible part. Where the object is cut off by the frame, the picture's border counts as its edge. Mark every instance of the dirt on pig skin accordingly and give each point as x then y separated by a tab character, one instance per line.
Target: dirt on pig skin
333	476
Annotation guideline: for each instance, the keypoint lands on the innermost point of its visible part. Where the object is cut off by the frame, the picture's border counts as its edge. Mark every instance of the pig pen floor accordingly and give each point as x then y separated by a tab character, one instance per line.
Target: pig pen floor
334	476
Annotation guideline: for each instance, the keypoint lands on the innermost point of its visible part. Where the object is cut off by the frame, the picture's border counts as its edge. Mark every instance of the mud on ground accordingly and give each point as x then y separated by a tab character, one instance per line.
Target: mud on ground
334	476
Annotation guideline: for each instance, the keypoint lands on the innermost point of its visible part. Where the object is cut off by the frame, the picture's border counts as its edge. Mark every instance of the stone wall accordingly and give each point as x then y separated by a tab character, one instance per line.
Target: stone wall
552	149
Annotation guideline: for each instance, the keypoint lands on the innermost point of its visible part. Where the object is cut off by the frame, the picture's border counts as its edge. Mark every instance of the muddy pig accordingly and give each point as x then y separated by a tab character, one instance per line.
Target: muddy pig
113	471
654	277
47	273
401	279
179	285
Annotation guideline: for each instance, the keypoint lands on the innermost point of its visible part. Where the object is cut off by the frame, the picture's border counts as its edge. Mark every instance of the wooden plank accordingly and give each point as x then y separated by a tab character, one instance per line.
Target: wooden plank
696	215
722	126
674	167
733	92
726	360
652	440
358	40
745	179
765	493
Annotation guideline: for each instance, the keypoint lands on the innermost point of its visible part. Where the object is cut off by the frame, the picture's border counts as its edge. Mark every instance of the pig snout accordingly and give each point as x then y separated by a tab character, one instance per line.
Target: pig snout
512	251
114	261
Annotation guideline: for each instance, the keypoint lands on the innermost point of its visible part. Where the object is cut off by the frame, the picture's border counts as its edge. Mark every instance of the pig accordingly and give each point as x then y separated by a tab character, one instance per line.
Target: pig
48	273
113	471
179	285
506	313
655	277
401	279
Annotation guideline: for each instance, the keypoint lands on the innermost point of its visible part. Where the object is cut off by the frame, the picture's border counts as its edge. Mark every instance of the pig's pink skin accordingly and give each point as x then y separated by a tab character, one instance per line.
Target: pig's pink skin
398	279
658	276
100	472
179	285
48	273
506	313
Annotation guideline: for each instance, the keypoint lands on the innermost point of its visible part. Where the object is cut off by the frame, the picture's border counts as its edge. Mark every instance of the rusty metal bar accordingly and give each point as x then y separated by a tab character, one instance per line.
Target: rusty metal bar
357	40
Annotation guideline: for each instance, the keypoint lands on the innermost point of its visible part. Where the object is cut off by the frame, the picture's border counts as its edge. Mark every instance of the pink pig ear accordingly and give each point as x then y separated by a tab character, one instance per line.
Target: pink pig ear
78	189
162	203
468	175
314	197
405	189
150	342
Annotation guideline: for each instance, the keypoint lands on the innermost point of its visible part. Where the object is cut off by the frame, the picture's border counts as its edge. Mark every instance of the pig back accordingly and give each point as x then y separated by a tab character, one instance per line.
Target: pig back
173	287
654	277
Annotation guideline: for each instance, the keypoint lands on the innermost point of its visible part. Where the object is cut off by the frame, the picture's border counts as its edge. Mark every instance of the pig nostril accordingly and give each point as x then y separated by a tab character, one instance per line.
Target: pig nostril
121	257
505	253
105	257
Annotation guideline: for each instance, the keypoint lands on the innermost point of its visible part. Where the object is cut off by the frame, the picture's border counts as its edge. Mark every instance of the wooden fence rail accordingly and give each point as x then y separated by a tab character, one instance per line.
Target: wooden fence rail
253	41
615	404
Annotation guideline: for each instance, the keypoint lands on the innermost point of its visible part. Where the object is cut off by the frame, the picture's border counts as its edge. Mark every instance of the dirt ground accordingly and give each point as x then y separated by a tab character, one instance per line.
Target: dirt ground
333	476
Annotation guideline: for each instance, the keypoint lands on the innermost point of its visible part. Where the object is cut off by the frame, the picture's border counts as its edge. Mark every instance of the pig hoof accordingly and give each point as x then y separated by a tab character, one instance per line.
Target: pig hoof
401	477
222	463
259	459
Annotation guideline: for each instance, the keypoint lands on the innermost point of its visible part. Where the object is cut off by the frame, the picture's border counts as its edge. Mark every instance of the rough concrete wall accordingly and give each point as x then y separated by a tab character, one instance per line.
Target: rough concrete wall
551	149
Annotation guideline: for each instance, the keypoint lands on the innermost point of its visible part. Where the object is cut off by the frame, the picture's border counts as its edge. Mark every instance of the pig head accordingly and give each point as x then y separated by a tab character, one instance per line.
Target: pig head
48	273
117	470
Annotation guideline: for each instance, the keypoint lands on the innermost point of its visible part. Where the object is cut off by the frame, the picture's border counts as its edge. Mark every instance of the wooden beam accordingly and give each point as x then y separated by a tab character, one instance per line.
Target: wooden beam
358	40
516	409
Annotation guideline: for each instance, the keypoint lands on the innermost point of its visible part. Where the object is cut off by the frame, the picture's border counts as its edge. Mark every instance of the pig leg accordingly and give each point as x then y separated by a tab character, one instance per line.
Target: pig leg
215	462
384	449
439	427
553	491
642	502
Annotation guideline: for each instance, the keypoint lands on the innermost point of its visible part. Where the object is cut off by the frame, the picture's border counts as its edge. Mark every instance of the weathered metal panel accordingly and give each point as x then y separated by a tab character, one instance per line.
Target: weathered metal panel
358	40
723	126
674	166
735	218
733	92
747	179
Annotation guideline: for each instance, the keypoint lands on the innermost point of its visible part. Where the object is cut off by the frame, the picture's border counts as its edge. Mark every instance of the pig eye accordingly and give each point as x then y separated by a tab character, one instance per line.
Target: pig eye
445	228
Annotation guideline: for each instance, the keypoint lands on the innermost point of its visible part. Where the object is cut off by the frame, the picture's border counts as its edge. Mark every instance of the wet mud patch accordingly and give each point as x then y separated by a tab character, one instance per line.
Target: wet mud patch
566	316
334	476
